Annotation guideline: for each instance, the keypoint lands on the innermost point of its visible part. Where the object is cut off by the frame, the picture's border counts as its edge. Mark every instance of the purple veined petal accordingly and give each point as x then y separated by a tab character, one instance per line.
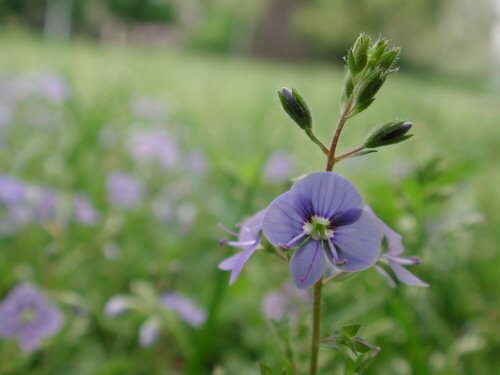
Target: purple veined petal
282	221
347	217
328	193
358	244
406	276
308	264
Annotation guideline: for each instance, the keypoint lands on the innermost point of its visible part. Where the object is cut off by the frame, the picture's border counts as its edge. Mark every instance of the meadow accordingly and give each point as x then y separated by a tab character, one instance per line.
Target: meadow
78	122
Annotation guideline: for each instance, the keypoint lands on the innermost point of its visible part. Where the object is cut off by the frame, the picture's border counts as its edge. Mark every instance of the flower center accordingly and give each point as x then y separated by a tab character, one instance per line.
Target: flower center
318	228
28	315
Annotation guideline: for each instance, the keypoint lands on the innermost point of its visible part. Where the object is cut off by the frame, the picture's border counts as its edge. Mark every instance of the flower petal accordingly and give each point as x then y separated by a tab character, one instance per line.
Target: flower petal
358	243
250	230
394	239
327	194
240	263
229	263
406	276
308	264
282	221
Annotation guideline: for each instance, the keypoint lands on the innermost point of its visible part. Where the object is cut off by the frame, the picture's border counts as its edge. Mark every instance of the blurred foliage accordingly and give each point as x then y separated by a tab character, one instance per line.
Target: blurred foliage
448	34
143	10
451	35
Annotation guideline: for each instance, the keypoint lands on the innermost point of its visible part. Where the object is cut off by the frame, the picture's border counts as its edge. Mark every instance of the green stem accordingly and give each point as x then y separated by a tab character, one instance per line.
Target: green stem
347	154
313	138
340	126
318	287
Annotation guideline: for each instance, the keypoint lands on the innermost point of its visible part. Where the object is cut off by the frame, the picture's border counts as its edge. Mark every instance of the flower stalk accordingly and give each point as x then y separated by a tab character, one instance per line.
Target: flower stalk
318	288
338	131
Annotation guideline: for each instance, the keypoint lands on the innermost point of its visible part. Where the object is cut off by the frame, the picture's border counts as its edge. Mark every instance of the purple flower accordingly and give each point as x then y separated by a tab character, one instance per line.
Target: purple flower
323	215
124	190
85	211
28	317
12	190
393	258
186	308
51	86
149	332
118	305
286	302
249	240
47	204
155	145
279	168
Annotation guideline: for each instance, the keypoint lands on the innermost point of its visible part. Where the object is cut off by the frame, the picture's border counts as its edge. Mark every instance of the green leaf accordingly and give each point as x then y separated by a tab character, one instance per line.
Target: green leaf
350	330
266	370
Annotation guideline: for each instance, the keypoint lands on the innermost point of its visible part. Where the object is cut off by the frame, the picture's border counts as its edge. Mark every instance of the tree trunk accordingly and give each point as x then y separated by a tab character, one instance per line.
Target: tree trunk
276	37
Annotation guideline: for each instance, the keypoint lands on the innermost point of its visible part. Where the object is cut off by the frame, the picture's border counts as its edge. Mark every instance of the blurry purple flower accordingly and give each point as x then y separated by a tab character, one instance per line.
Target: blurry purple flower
12	191
149	108
279	168
323	215
393	256
189	311
46	204
249	241
154	145
124	190
197	163
28	317
48	85
51	86
149	332
85	211
117	306
285	303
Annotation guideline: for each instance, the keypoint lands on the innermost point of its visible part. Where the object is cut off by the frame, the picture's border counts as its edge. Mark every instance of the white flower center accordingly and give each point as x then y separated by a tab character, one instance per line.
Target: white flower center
318	228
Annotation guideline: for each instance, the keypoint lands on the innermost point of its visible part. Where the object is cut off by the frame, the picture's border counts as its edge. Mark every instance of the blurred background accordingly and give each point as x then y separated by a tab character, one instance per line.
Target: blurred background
130	128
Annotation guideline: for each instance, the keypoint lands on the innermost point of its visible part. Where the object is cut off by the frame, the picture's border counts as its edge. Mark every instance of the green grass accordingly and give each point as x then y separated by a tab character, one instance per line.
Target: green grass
228	107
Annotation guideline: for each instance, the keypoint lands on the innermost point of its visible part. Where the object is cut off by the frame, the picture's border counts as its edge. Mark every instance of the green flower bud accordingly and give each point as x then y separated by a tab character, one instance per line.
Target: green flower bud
296	107
389	59
388	134
360	52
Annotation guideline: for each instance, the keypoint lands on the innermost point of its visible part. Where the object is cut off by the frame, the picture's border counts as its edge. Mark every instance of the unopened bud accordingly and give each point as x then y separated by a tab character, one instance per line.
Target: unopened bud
387	134
296	107
360	52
